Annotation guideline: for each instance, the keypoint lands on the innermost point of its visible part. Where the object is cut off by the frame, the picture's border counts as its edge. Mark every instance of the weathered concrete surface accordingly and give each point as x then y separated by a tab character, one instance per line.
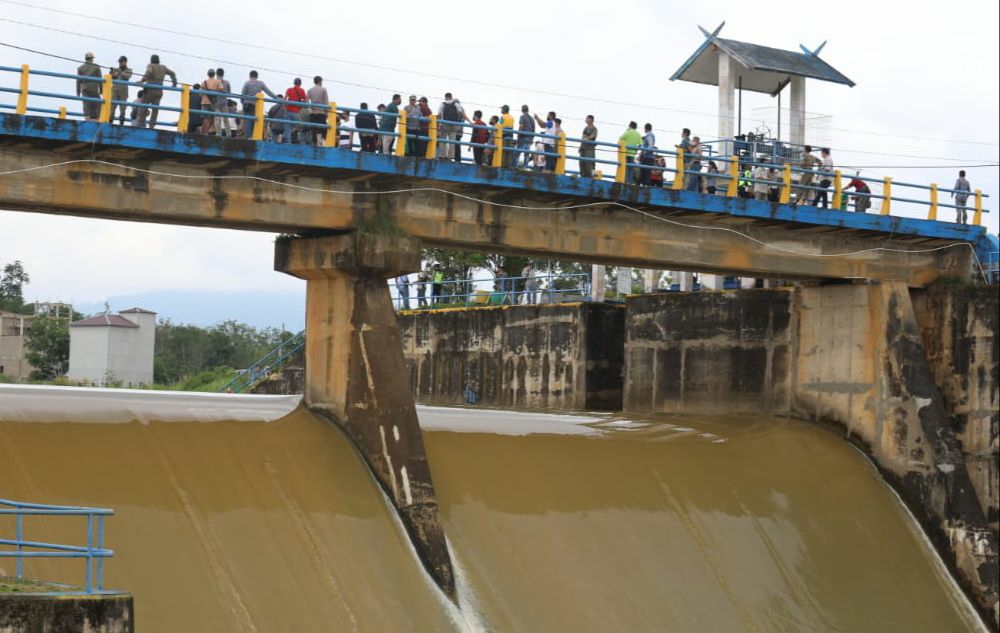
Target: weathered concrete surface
356	376
215	192
80	613
854	357
712	352
860	363
959	325
552	356
289	380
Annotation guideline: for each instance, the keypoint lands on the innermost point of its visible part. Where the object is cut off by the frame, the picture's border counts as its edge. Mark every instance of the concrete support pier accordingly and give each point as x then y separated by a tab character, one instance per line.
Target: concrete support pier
356	375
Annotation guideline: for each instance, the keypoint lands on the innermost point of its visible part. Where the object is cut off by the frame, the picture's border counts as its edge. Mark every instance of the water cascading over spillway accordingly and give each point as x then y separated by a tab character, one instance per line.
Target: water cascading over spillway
557	523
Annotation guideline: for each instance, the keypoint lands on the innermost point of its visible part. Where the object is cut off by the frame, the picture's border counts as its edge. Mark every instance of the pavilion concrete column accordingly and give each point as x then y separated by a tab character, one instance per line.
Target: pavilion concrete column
650	278
797	111
685	281
356	375
597	292
727	103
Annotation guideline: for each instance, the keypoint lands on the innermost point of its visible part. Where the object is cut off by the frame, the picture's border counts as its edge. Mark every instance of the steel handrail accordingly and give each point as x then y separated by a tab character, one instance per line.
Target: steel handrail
265	365
94	551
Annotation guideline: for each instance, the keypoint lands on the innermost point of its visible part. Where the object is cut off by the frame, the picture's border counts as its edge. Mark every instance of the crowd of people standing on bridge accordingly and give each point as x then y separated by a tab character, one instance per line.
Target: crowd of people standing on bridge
530	141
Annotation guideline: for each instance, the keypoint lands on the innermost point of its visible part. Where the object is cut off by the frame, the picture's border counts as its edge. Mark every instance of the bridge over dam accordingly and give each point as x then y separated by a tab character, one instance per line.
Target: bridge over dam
353	219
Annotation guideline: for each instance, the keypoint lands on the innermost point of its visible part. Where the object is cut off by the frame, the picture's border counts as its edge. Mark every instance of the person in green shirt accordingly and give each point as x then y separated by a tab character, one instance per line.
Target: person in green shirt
632	140
438	281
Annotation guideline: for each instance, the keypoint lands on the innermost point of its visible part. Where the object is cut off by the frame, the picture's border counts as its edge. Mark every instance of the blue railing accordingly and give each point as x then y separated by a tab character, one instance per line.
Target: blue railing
992	265
451	293
93	552
497	146
266	365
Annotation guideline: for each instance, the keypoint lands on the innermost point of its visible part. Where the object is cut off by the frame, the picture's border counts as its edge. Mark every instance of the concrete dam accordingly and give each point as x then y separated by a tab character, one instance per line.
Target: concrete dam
248	513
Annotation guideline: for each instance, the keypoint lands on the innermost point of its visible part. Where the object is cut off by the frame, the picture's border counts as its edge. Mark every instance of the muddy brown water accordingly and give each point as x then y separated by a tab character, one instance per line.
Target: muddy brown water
557	523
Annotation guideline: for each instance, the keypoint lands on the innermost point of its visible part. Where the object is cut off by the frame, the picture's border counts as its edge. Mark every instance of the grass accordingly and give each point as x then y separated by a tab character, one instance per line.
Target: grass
14	585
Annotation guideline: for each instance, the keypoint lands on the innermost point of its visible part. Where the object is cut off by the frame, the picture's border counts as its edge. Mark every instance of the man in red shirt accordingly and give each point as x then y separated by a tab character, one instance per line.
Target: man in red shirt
293	94
480	134
862	193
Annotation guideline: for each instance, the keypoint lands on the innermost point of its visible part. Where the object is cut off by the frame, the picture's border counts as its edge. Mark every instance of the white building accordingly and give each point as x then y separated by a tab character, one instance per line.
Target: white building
111	348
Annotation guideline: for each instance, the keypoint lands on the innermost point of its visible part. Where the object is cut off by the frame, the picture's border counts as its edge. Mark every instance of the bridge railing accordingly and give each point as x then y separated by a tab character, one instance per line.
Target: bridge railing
499	147
263	367
93	552
473	292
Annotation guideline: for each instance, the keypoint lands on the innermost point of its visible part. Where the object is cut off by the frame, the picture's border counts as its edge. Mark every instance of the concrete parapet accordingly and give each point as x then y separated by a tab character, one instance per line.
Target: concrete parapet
711	352
552	356
66	613
356	376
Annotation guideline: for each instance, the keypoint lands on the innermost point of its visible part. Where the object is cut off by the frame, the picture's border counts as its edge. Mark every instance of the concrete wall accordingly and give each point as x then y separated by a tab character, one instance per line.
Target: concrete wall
959	326
13	330
565	356
714	352
37	613
88	354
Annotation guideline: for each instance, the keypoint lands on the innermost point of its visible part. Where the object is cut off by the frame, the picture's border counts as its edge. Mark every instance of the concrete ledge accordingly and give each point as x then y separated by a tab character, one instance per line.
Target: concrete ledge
66	613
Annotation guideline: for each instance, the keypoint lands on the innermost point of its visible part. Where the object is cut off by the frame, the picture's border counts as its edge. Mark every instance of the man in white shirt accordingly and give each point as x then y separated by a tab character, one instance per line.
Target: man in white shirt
825	176
317	94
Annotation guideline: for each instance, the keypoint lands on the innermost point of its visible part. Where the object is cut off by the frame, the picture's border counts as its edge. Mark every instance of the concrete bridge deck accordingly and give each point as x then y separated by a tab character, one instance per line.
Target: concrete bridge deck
70	167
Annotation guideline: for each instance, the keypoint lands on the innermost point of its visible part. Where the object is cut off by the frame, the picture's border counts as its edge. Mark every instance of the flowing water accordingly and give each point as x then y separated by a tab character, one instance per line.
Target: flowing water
556	523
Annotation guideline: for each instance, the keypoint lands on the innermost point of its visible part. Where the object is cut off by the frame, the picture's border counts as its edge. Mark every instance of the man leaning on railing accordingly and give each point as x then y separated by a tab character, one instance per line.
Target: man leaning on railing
155	74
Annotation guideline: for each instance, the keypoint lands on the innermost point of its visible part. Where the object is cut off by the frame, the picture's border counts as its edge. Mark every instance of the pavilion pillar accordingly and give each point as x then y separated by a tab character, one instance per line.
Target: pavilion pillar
713	282
356	375
797	114
597	285
727	103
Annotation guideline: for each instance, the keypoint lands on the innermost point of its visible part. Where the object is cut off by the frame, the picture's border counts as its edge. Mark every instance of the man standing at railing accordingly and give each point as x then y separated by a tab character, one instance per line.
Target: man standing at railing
632	140
808	164
525	130
388	124
89	88
412	110
961	194
480	136
294	94
317	115
530	282
760	185
403	291
588	148
450	113
224	125
155	74
365	120
251	87
548	127
119	92
507	121
648	155
826	171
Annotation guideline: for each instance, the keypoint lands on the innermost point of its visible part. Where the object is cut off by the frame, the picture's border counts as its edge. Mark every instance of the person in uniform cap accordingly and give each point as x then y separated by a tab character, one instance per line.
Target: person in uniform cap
119	92
89	88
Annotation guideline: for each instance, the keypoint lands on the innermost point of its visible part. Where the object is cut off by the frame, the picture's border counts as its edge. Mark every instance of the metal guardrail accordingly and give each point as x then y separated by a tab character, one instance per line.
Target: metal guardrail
992	265
266	365
453	293
431	137
93	552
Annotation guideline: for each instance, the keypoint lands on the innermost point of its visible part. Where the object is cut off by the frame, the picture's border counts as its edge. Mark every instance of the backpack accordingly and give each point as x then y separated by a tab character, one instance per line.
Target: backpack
451	111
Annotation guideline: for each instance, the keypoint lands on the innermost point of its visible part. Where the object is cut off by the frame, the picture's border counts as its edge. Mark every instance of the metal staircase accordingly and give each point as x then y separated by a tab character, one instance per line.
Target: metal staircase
262	368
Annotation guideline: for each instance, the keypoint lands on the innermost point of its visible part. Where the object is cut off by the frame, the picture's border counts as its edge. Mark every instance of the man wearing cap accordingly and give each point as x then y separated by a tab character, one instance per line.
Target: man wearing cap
88	88
155	74
119	92
412	110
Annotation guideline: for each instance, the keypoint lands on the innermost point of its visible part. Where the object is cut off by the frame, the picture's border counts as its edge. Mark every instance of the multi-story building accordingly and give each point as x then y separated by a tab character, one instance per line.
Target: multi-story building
13	334
113	348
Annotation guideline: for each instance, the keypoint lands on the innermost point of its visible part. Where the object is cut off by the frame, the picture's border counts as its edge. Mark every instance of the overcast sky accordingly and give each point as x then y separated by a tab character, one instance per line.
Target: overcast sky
926	94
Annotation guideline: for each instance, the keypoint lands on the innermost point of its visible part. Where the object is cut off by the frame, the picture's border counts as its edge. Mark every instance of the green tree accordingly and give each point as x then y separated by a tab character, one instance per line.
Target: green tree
12	283
48	347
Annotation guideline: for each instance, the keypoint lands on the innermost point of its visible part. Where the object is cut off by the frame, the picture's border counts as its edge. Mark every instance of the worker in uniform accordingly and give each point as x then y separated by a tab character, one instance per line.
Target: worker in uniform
89	88
155	74
119	92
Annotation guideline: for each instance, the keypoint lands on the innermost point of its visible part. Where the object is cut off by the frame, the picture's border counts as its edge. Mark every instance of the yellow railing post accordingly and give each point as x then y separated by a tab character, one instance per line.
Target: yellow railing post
679	174
432	137
62	112
561	150
184	120
106	107
497	146
786	185
400	149
734	177
258	115
887	196
620	171
332	121
22	96
838	190
932	212
977	218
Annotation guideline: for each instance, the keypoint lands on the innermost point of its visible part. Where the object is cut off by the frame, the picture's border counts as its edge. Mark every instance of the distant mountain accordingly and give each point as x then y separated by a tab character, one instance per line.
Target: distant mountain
204	308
